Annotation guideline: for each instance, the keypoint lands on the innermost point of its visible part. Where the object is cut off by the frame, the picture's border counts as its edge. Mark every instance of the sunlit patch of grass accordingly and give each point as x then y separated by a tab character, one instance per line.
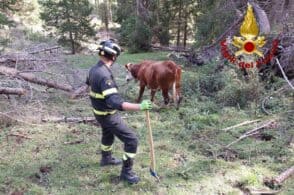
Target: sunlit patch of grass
83	61
135	58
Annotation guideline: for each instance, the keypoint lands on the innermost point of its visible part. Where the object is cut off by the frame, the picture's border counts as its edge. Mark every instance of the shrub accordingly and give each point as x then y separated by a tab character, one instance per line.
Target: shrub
210	84
238	92
204	81
135	35
35	36
190	84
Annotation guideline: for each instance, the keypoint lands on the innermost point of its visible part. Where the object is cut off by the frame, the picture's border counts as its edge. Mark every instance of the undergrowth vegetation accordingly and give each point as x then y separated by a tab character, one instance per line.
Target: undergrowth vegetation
190	143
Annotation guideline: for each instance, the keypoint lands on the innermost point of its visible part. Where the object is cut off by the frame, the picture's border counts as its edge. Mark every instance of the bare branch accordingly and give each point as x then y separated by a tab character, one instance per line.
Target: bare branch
74	142
284	75
240	124
19	135
251	132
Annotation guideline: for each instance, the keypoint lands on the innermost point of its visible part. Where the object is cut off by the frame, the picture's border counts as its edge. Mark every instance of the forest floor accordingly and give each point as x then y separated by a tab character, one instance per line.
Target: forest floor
63	158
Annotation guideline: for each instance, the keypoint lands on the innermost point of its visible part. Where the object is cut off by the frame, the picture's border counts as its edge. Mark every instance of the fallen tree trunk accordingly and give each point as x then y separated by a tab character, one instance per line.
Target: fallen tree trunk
277	181
262	20
285	175
177	49
12	91
74	142
45	49
265	191
81	91
63	119
70	119
222	36
19	135
33	79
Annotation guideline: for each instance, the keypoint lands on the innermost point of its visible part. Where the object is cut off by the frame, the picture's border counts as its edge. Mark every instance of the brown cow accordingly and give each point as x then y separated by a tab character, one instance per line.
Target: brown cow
157	75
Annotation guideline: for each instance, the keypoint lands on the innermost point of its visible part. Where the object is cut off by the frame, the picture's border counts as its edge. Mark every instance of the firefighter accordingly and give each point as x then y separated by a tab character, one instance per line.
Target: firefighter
106	101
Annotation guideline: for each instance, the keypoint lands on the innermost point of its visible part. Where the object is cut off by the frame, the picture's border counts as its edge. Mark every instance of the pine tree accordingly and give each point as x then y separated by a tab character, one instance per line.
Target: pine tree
6	6
70	18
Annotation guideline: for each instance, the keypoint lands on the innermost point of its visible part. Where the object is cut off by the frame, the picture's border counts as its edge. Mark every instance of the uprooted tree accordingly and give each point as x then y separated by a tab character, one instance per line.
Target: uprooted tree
212	30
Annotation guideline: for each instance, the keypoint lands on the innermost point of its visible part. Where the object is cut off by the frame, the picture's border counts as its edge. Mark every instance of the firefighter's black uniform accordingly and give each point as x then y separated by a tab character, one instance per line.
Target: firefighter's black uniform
106	101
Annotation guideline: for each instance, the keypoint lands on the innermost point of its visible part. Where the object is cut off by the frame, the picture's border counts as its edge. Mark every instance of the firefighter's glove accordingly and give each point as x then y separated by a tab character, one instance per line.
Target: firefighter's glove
146	105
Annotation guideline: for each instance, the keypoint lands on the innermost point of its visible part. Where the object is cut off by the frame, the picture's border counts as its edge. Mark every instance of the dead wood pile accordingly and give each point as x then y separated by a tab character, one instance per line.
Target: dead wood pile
22	72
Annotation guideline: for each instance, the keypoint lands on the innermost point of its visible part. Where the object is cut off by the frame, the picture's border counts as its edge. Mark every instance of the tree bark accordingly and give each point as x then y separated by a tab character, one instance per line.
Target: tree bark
185	28
137	8
107	16
179	24
33	79
73	50
110	11
97	5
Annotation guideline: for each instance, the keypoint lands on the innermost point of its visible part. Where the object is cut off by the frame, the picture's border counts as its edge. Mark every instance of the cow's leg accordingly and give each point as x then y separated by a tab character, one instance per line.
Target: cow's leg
153	91
142	88
165	96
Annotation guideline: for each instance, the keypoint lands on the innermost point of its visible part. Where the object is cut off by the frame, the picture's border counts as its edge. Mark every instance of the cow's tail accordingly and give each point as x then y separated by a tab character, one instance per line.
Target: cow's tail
175	93
177	86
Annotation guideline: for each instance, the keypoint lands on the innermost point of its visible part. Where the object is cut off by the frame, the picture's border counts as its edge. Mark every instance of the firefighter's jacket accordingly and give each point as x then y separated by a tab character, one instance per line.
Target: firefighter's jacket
103	90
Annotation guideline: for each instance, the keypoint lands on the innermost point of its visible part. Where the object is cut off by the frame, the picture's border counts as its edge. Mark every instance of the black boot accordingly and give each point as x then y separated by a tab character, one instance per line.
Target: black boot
127	174
107	159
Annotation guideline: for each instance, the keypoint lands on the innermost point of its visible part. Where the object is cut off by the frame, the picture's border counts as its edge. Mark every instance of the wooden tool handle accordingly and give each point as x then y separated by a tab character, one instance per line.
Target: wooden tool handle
152	155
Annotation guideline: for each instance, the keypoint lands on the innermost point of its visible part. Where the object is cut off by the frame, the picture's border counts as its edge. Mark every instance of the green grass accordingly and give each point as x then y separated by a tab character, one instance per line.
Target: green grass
82	61
188	144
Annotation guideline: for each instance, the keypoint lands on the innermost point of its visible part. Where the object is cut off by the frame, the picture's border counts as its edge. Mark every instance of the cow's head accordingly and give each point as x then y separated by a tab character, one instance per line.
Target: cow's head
129	75
132	71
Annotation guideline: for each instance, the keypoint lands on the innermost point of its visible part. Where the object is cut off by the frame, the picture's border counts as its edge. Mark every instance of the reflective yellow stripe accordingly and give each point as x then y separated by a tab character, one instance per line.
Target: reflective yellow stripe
104	93
96	95
109	91
103	112
130	155
106	148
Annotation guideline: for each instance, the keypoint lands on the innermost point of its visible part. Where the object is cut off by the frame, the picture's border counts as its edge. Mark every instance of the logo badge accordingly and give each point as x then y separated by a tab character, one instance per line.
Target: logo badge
249	42
248	45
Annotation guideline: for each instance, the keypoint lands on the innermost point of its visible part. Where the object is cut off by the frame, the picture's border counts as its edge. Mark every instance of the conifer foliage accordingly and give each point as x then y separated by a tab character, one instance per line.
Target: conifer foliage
71	18
6	6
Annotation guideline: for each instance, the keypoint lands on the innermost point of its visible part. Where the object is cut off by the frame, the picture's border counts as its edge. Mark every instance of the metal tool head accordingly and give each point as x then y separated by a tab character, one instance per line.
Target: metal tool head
154	174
